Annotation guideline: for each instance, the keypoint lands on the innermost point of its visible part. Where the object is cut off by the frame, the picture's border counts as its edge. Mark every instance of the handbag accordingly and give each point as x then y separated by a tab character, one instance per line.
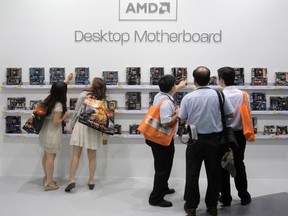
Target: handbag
36	119
191	131
152	128
93	113
227	137
248	129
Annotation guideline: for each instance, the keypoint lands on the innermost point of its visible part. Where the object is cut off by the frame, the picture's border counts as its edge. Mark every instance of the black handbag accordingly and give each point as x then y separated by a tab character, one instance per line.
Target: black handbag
227	137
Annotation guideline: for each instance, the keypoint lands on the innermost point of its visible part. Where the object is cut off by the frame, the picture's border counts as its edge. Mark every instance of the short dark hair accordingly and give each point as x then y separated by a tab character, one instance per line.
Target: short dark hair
201	75
166	82
227	74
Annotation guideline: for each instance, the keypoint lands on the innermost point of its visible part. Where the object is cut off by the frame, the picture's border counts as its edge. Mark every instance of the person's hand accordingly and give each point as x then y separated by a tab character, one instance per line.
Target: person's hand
65	117
181	84
177	111
68	78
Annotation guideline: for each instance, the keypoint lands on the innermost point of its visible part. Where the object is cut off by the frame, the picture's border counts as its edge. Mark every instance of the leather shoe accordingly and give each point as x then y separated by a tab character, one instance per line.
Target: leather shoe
245	201
169	191
212	211
70	187
224	202
162	203
190	211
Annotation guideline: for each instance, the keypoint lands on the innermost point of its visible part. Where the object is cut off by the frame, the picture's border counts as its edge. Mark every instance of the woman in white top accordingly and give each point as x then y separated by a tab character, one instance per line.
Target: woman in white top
84	136
50	135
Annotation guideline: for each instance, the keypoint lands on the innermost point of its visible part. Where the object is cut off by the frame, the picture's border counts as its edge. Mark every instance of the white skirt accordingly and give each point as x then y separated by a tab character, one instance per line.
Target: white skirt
86	137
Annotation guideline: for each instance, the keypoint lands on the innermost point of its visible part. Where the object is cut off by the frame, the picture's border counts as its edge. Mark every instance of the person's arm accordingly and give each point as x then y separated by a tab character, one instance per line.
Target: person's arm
173	119
181	84
68	78
228	108
58	118
78	105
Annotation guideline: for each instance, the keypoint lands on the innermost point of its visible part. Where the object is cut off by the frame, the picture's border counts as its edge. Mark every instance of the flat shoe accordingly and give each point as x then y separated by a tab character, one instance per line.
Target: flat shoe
70	187
48	187
91	186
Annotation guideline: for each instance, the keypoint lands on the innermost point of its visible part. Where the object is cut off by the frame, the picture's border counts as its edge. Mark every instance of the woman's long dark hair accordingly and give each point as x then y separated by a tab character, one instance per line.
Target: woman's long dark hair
98	89
58	93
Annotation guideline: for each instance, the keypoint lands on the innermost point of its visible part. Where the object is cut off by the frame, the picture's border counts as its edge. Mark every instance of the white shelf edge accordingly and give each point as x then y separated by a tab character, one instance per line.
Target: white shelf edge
140	136
144	111
268	112
140	87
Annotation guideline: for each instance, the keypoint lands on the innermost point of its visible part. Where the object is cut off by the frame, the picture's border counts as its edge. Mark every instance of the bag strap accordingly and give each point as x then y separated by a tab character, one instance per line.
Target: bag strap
245	102
221	104
245	98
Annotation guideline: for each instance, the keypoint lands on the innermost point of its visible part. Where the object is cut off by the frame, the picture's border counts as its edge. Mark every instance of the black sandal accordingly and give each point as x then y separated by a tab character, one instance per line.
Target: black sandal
91	186
70	187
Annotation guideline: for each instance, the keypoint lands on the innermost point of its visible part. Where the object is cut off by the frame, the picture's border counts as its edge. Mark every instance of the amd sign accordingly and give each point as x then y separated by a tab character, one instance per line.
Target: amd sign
148	10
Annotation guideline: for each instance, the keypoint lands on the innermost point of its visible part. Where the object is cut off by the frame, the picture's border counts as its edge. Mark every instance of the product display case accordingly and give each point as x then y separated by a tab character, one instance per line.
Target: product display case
125	116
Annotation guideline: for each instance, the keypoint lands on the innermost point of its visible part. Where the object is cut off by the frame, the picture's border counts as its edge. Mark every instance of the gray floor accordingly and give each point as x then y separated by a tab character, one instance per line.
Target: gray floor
127	197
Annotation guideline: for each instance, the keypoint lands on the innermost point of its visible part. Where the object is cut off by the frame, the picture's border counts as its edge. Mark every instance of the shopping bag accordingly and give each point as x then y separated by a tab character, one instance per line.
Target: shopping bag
152	128
94	114
248	129
36	119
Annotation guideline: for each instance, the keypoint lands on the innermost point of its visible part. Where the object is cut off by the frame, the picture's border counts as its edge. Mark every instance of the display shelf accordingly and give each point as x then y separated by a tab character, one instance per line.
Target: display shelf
117	111
143	111
264	88
259	136
268	137
190	86
268	112
16	112
115	136
123	111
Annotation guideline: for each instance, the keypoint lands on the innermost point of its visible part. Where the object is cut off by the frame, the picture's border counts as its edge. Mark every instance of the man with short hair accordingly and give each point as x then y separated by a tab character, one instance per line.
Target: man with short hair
201	108
163	155
226	76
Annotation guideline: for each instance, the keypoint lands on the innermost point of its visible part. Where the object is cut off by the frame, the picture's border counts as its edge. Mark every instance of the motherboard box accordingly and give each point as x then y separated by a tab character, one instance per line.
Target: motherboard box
82	76
281	130
281	78
13	124
258	101
239	77
259	76
16	103
133	129
155	74
269	130
14	76
178	96
180	74
110	77
133	100
151	97
57	75
37	76
278	103
133	76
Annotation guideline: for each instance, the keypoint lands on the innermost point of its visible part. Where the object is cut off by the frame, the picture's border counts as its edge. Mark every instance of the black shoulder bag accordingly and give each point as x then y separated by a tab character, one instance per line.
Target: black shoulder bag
227	138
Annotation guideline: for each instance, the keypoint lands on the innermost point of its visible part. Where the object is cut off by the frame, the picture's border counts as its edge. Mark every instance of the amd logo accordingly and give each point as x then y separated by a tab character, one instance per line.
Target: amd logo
148	10
151	8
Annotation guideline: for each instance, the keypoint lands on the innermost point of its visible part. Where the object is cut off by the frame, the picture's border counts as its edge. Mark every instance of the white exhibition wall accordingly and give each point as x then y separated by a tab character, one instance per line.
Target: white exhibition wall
37	33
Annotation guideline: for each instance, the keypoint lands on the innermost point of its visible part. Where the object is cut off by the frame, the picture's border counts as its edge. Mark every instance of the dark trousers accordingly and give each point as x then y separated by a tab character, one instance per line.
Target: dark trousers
241	178
163	161
207	149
